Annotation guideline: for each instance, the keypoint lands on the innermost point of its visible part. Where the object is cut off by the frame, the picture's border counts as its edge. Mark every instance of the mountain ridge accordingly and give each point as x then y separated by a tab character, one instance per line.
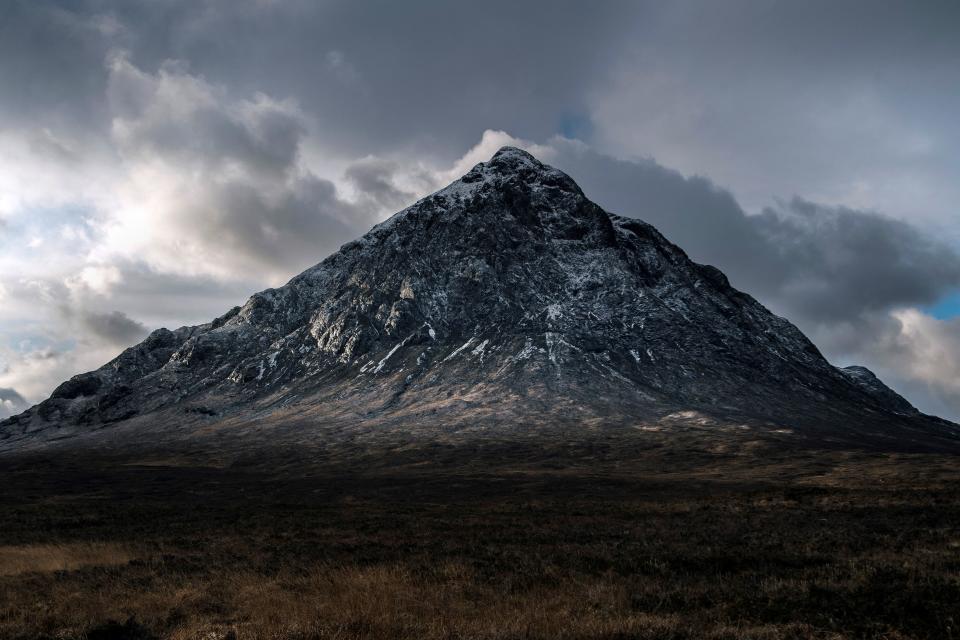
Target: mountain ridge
505	294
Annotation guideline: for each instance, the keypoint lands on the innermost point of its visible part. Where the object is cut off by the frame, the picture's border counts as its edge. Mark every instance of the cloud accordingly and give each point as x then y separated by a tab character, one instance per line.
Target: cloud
11	402
178	117
158	298
96	278
778	99
214	185
113	327
431	74
341	67
374	179
842	262
768	100
51	54
919	348
373	76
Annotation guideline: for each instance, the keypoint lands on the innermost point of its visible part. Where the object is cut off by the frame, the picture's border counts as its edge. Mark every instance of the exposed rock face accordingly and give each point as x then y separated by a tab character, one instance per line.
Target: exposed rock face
504	295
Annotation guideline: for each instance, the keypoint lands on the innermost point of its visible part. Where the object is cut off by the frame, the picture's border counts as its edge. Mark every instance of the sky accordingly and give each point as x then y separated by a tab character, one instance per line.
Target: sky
161	161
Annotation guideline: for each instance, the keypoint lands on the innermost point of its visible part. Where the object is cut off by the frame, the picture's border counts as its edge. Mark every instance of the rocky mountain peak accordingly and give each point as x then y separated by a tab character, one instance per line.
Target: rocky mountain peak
507	294
510	161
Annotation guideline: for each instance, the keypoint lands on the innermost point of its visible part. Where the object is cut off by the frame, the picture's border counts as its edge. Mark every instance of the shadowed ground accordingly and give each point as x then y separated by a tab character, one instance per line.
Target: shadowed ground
703	539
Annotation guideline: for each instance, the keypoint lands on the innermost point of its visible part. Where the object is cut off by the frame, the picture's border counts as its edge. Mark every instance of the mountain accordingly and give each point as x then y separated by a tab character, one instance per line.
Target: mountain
503	302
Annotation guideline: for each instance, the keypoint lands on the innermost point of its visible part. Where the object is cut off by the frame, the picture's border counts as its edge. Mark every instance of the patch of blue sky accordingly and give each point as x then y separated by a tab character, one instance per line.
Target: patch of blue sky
26	339
44	223
575	126
946	308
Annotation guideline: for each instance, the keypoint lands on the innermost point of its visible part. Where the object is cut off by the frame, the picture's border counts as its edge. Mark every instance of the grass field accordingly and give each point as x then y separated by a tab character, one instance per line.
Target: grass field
827	545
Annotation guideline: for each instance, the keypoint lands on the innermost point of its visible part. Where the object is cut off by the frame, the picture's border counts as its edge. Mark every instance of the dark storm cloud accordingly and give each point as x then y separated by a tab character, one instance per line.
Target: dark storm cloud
375	75
386	75
114	327
374	179
53	56
842	262
436	73
838	101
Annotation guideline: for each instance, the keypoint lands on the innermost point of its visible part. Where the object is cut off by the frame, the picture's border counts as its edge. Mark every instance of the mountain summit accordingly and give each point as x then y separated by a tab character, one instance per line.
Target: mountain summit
504	301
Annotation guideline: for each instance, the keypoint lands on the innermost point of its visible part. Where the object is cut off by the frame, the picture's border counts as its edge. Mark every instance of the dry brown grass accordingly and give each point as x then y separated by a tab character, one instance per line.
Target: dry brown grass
834	552
42	558
388	601
394	601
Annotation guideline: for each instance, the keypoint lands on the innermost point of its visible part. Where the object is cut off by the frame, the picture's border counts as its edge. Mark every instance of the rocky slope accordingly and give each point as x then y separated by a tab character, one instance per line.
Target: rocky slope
504	299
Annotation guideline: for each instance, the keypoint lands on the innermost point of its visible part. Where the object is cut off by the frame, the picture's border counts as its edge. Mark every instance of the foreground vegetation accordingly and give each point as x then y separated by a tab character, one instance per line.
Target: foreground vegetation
105	550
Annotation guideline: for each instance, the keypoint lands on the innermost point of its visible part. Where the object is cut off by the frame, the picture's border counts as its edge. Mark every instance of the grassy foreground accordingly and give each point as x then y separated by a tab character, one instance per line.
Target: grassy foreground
865	547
